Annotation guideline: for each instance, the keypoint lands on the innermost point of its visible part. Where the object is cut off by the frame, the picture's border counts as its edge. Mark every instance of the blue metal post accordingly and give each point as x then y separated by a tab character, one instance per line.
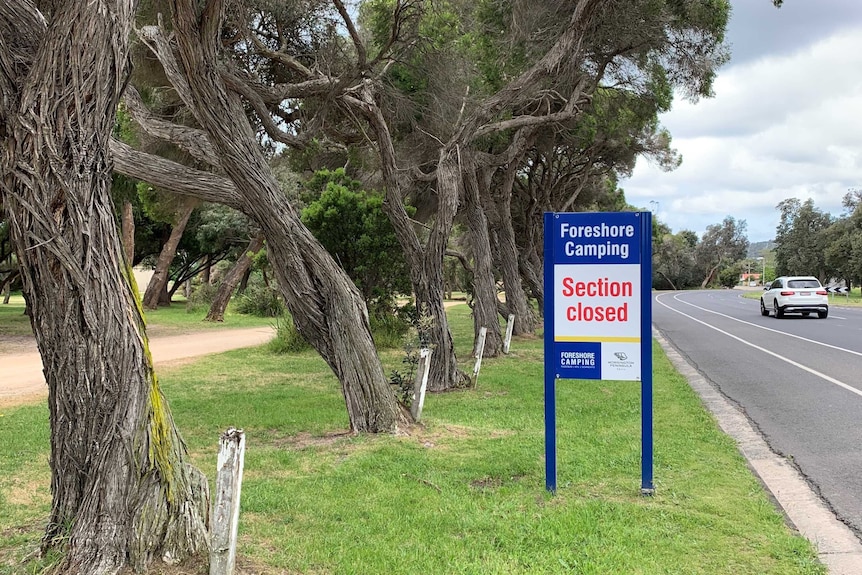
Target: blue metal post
550	375
647	485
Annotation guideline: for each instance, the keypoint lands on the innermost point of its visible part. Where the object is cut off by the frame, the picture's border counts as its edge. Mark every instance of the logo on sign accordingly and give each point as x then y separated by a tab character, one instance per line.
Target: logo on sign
621	356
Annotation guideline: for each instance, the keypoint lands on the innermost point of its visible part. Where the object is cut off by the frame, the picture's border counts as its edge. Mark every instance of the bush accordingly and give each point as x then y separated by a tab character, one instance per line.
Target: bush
388	329
403	382
201	297
420	322
354	229
287	338
261	301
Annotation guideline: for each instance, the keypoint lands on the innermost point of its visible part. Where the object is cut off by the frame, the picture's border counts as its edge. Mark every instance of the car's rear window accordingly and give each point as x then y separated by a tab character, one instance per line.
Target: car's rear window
803	284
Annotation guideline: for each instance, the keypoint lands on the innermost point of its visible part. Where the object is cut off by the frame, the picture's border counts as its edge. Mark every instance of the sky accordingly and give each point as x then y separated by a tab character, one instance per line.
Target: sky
785	122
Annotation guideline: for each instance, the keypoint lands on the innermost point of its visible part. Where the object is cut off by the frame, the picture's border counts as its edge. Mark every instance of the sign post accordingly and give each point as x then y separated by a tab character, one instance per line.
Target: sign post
598	313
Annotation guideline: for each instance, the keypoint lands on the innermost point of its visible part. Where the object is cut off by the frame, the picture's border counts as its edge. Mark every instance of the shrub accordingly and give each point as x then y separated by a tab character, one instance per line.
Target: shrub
403	382
388	329
287	338
354	229
201	297
421	323
261	301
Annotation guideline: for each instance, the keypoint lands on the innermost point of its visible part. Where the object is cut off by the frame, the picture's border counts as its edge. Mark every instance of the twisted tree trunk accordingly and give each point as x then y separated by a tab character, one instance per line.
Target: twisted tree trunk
498	206
326	306
426	262
122	490
484	287
232	279
127	227
157	289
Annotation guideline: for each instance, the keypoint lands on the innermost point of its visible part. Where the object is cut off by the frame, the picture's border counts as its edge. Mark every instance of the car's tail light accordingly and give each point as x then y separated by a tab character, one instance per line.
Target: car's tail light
822	292
788	293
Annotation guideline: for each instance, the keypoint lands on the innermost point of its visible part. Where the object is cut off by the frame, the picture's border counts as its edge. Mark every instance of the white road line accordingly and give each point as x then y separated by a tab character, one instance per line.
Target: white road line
766	351
805	339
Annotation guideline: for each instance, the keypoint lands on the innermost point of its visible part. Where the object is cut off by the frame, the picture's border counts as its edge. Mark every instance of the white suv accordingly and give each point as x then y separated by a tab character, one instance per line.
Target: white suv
795	294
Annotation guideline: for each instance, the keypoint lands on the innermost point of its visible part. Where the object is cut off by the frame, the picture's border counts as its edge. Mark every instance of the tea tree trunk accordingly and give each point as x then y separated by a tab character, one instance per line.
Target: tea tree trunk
122	490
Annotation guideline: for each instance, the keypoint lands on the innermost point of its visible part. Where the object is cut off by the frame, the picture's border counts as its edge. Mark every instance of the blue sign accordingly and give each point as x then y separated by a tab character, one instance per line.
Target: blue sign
598	311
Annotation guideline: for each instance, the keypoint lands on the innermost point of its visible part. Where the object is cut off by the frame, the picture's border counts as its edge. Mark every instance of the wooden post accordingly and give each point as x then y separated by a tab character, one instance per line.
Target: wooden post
421	383
510	325
480	350
225	517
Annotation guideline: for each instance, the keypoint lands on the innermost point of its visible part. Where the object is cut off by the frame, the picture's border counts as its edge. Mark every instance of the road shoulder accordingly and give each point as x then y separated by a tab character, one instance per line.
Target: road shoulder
838	547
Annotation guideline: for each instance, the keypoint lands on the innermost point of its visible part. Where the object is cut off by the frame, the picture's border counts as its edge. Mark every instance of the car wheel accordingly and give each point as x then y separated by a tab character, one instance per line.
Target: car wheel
779	313
763	310
823	314
806	313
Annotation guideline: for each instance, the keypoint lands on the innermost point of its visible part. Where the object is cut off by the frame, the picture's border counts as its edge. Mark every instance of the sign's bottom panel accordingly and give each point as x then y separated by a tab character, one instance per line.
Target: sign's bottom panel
598	360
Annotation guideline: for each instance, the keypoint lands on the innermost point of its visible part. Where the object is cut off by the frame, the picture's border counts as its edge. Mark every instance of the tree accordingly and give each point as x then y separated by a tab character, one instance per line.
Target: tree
800	239
326	307
232	279
351	225
721	246
674	261
843	240
123	492
157	290
8	263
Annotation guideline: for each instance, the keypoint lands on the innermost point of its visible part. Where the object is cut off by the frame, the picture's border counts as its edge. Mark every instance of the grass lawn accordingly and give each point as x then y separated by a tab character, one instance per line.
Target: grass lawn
461	493
173	320
854	298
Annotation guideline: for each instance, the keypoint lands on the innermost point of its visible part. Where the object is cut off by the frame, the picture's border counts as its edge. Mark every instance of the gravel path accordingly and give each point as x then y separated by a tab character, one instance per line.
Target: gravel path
21	379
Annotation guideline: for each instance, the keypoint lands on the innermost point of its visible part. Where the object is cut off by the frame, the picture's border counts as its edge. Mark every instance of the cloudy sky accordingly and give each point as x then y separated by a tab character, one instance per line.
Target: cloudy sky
786	121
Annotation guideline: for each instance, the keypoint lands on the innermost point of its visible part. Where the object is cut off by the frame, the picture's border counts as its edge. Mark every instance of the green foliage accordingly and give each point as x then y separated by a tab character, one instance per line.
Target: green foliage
260	300
351	225
218	229
287	338
388	329
674	260
722	245
801	239
403	381
201	297
729	276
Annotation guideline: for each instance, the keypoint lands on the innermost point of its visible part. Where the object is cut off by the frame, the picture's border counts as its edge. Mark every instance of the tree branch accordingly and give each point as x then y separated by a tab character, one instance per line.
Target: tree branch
174	177
361	52
194	141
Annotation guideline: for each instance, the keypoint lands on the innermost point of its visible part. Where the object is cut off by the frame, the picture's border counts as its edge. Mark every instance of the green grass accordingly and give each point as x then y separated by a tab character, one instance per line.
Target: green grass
854	298
13	322
175	319
464	492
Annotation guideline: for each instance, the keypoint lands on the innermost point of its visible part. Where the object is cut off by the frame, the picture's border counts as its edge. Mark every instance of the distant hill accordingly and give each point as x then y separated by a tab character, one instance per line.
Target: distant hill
756	249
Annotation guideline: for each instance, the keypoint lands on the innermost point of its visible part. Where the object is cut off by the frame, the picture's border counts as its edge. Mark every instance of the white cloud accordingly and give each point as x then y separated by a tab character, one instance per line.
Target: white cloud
780	126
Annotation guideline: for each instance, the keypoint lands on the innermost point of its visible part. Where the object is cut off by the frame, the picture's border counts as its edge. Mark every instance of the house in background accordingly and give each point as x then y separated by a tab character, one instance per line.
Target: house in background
750	279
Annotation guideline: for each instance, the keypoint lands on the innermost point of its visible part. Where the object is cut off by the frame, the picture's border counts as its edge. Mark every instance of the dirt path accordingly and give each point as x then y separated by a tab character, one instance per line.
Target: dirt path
21	379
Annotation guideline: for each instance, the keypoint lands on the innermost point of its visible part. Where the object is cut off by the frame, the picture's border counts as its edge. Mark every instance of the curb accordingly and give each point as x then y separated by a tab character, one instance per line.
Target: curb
838	547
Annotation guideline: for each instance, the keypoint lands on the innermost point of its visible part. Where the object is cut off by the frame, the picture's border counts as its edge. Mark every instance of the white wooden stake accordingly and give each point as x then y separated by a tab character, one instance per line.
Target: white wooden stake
225	517
480	349
510	325
421	383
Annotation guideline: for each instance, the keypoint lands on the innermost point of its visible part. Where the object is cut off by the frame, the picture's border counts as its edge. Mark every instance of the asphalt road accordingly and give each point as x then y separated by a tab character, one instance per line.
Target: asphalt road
799	381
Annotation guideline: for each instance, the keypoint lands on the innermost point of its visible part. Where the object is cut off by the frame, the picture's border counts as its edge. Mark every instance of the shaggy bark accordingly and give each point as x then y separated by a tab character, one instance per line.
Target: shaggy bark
426	263
157	289
128	232
122	490
326	306
497	202
484	287
232	279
